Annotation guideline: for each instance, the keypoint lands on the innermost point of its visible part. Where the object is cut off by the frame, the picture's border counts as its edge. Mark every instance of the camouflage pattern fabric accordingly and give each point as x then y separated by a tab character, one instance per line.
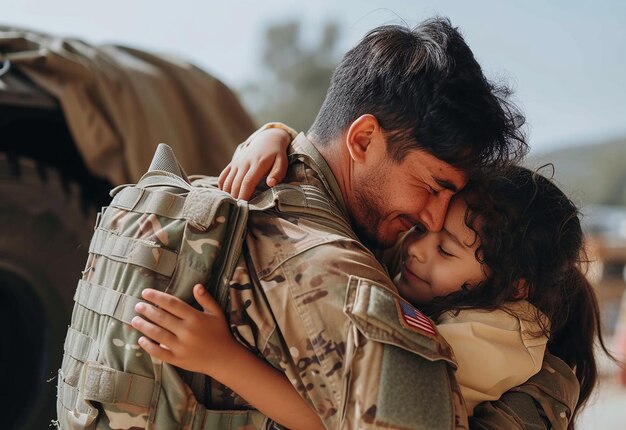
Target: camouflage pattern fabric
163	234
340	338
304	294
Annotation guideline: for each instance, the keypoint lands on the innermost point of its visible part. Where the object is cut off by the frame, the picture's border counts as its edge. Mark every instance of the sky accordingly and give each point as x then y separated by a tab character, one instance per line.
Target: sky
565	59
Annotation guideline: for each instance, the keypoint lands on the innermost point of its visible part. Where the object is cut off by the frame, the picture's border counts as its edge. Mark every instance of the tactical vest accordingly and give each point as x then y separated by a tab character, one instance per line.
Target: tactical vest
161	233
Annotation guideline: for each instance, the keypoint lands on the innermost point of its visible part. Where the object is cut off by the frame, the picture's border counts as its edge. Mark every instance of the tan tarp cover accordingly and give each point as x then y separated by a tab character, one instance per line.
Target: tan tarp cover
120	102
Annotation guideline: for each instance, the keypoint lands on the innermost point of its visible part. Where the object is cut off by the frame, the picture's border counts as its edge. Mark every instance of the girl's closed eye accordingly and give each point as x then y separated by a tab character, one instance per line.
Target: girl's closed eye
444	252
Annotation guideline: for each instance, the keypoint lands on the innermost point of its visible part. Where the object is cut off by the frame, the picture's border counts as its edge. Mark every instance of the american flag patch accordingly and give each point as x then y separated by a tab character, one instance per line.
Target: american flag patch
415	319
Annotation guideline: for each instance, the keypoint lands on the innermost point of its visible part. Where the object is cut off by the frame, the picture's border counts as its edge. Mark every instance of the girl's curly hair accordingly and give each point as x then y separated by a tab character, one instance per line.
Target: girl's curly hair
532	243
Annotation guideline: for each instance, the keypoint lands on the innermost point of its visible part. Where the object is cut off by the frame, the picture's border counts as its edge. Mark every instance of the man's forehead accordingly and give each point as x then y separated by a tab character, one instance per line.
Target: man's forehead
444	174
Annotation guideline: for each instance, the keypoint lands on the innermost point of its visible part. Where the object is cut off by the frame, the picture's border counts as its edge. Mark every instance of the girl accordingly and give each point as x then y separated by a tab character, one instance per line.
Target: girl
502	279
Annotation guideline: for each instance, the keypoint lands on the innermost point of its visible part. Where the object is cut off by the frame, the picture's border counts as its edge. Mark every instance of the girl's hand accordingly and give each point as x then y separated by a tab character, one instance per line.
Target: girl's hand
201	342
181	335
266	154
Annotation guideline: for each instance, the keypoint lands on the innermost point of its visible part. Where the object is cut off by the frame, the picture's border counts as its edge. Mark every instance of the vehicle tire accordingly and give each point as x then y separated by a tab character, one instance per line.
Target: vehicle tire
44	239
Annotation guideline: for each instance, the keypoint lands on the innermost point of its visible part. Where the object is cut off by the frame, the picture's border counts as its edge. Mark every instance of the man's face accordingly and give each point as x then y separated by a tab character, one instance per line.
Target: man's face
390	198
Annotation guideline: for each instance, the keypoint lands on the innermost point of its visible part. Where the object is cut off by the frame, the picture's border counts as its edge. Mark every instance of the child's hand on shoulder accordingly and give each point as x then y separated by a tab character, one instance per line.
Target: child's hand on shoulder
264	155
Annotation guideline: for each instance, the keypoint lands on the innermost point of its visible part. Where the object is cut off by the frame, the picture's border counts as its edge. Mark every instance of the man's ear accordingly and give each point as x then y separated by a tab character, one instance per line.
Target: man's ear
364	138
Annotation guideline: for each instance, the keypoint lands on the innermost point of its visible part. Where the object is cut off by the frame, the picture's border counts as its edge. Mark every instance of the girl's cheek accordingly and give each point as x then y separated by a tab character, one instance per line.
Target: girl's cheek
443	275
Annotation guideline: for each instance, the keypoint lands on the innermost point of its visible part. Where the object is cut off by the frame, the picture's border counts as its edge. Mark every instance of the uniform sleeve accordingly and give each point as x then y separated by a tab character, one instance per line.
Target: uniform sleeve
492	355
513	411
340	339
545	401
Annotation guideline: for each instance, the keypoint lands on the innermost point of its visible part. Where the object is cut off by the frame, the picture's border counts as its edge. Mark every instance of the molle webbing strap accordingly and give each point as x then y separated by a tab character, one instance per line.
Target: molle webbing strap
133	251
316	199
205	419
298	196
80	346
266	200
106	385
98	219
106	301
152	202
202	181
72	368
68	396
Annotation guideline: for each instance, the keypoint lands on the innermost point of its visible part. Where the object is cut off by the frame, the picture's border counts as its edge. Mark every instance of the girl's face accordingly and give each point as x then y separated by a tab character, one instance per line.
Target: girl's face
436	264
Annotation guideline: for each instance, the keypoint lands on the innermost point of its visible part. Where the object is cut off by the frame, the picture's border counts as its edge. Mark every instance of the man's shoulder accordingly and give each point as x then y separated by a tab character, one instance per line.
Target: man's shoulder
294	240
295	200
293	217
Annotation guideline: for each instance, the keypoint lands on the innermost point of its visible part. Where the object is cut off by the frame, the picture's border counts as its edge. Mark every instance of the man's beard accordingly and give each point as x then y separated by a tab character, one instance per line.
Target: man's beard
368	214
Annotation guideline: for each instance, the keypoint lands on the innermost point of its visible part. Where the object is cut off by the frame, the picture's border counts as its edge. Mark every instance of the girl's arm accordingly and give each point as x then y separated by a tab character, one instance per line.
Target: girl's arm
201	342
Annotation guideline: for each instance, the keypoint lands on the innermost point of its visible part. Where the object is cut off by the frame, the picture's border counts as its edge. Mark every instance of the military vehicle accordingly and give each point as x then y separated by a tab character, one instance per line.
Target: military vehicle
48	201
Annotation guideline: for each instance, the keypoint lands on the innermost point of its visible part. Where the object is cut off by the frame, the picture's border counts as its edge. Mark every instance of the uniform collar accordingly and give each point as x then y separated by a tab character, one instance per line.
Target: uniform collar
302	145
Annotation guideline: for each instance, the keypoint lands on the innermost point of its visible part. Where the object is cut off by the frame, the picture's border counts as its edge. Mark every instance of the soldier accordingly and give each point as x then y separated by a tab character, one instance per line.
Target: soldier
407	118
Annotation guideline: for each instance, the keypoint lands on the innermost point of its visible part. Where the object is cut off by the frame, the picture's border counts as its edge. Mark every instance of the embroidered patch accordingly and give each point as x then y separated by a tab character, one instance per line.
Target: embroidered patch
414	319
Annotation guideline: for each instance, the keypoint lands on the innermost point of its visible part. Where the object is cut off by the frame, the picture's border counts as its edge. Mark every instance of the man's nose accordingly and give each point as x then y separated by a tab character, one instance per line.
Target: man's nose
434	213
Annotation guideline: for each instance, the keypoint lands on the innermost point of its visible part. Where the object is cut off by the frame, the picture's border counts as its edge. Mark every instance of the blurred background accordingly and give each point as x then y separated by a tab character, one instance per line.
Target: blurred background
565	60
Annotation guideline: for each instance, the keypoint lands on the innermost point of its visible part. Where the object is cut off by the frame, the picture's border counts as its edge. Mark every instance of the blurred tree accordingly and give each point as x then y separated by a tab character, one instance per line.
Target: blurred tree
293	77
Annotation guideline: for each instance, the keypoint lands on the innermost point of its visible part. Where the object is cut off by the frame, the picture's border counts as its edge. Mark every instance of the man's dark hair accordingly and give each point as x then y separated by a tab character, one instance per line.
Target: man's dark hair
427	92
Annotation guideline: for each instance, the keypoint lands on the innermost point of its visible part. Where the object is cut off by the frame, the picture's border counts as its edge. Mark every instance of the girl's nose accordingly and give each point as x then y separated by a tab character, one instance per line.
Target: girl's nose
418	250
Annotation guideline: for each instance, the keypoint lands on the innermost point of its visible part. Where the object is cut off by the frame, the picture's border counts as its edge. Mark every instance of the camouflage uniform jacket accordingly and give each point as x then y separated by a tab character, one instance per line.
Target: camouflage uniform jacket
315	303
